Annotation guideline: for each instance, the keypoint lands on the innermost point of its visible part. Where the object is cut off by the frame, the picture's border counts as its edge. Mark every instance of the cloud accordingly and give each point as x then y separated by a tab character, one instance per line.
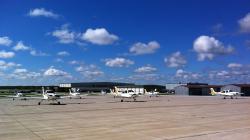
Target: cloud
63	53
6	65
24	74
175	60
142	48
21	47
99	36
42	12
55	72
244	24
58	60
75	62
4	54
5	41
89	71
64	35
180	73
145	69
208	47
234	65
20	71
118	62
38	53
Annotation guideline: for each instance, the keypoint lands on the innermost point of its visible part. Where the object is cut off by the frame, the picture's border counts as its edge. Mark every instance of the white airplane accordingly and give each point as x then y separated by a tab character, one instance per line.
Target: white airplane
226	93
50	96
152	93
125	94
74	94
18	95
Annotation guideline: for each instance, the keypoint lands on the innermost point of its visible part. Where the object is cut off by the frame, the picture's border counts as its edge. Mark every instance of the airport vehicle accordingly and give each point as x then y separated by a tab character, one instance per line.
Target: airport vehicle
124	94
226	93
151	93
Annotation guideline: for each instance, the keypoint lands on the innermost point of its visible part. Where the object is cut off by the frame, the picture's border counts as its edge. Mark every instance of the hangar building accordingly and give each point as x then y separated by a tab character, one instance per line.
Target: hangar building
198	89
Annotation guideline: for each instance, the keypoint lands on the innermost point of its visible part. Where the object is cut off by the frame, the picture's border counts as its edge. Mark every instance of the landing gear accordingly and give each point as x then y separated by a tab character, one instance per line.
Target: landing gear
58	103
232	97
39	103
13	99
134	99
224	97
121	100
70	97
80	97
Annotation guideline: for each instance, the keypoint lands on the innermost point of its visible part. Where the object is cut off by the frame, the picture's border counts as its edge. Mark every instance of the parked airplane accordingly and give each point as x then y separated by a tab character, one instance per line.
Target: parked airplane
125	94
226	93
151	93
18	95
74	94
50	96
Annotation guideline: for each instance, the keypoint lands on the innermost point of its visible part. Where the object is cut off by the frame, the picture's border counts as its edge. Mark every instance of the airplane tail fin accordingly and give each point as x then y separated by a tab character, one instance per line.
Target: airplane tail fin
70	91
43	90
116	90
212	91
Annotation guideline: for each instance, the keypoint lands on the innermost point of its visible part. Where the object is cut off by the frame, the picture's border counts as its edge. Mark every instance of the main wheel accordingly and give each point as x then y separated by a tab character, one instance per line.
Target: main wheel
224	98
134	99
58	103
232	97
39	103
121	100
80	97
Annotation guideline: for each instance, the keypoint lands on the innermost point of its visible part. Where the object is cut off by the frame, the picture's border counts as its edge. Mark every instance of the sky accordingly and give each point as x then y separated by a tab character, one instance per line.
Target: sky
143	42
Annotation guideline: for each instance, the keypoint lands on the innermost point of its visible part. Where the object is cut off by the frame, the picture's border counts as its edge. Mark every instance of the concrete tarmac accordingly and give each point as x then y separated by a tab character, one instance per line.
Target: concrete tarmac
106	118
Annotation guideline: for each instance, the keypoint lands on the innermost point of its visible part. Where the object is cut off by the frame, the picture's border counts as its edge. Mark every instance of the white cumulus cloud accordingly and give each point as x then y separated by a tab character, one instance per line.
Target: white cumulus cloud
208	47
180	73
89	71
244	24
37	53
63	53
5	41
24	74
142	48
21	47
145	69
55	72
99	36
64	35
175	60
118	62
234	65
4	54
42	12
6	65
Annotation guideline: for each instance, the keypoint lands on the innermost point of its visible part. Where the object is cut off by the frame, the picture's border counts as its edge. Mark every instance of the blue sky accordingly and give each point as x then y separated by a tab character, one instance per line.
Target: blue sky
144	42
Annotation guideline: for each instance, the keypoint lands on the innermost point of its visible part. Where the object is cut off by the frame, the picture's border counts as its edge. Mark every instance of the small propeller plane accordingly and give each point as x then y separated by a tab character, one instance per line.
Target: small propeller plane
18	95
125	94
226	93
75	94
151	93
